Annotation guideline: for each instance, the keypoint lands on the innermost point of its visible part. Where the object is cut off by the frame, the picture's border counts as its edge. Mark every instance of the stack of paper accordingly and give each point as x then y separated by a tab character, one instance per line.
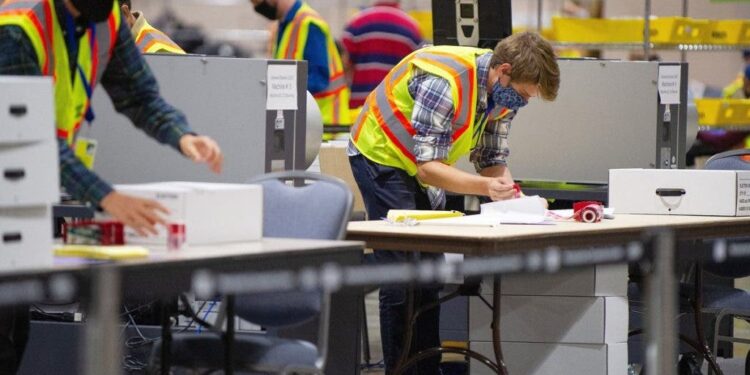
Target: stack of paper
525	210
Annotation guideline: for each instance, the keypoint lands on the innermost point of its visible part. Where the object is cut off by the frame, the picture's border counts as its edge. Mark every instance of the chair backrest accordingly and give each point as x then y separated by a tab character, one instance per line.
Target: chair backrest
313	207
730	160
318	209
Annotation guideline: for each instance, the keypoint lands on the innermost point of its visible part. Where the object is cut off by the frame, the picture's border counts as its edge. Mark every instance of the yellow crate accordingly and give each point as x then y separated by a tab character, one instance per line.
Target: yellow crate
424	21
729	32
547	32
597	30
678	30
718	112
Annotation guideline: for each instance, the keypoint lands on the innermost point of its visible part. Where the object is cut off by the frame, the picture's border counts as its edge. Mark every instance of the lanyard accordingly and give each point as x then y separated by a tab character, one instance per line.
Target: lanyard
74	42
490	104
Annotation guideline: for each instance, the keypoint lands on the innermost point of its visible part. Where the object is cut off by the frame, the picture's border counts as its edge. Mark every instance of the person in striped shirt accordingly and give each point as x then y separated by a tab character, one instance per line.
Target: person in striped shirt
376	39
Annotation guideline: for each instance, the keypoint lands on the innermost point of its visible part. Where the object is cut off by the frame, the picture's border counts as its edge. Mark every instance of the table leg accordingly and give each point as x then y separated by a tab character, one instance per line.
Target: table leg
229	336
661	296
102	337
166	339
496	326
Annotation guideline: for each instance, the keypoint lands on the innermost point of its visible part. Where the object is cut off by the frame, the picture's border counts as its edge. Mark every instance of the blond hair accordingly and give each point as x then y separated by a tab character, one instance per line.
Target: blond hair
532	61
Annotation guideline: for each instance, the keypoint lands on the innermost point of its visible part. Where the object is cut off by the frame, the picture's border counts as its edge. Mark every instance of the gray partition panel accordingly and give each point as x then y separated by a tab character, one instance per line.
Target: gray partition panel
606	116
224	98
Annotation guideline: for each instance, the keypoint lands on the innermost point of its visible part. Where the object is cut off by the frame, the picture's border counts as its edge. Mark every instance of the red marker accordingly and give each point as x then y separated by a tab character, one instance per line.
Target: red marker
517	188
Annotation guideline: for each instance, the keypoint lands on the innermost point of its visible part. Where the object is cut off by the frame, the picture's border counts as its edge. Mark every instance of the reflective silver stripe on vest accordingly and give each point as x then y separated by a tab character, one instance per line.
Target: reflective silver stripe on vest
392	123
152	36
397	71
294	35
104	42
37	8
23	5
463	113
389	116
337	83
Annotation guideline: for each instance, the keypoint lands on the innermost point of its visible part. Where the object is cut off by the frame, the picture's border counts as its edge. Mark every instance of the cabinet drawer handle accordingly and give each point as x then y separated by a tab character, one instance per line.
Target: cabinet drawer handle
670	192
12	237
18	110
14	173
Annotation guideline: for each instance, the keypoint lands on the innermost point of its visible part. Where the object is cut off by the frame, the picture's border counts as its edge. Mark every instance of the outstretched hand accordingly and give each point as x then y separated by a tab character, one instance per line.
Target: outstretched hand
138	213
202	149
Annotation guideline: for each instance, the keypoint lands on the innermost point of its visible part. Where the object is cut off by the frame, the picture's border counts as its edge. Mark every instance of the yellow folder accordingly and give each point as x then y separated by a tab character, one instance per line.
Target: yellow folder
402	215
101	252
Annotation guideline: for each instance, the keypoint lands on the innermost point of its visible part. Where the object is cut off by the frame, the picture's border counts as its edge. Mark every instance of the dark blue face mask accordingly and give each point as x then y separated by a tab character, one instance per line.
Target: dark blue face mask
507	97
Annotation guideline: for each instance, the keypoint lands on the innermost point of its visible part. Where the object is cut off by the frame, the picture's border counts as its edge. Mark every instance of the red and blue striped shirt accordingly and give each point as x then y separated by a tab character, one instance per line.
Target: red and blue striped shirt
377	39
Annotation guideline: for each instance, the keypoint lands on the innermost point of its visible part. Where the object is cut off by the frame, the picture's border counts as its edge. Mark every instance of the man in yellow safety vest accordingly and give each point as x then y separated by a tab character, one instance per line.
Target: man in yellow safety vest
437	105
147	38
81	43
304	35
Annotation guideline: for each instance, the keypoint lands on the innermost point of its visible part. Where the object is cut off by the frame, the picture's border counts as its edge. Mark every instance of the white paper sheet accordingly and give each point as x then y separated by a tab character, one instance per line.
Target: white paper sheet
526	210
669	84
282	87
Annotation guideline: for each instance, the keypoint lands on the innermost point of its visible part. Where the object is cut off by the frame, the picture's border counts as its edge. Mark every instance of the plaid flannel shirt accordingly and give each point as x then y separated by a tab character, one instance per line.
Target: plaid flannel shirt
433	110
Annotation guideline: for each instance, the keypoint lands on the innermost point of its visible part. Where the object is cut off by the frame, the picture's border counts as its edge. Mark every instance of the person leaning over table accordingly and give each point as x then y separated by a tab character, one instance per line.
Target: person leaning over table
437	105
82	43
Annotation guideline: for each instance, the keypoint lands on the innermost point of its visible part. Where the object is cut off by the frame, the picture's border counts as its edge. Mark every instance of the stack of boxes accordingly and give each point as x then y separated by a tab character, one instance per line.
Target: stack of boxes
573	322
29	177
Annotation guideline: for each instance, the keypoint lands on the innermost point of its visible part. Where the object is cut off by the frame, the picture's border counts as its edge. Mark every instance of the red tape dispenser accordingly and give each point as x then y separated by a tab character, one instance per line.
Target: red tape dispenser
588	211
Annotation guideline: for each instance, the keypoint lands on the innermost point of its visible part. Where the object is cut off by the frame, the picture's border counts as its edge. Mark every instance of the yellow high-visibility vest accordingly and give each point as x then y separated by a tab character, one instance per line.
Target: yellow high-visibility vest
38	19
151	40
334	100
383	132
733	88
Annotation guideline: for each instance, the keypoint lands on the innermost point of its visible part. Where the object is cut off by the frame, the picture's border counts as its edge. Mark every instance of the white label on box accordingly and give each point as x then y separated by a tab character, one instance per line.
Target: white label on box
743	196
669	84
282	87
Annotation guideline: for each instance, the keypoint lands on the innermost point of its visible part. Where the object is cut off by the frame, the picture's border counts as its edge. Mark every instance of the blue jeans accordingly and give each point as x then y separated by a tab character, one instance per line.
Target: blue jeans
384	188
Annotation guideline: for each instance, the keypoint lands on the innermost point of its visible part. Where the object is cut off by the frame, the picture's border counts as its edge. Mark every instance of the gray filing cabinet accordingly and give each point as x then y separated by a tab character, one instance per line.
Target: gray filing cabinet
29	177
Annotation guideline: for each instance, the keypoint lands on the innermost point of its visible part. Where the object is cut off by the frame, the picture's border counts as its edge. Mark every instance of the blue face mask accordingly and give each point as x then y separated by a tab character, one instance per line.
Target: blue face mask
507	97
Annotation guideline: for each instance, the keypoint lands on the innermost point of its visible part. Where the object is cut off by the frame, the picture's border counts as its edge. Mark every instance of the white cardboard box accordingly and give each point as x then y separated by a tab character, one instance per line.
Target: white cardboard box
211	212
599	281
552	319
680	192
556	359
25	237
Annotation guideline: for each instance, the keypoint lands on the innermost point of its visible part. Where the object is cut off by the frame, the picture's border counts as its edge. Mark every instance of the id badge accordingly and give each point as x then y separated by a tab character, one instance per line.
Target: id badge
85	151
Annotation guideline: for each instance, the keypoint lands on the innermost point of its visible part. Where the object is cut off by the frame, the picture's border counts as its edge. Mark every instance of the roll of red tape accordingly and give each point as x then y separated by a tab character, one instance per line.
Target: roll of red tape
588	211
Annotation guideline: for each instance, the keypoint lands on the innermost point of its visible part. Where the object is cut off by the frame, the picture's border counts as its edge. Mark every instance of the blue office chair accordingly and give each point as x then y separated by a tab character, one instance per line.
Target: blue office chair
313	207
